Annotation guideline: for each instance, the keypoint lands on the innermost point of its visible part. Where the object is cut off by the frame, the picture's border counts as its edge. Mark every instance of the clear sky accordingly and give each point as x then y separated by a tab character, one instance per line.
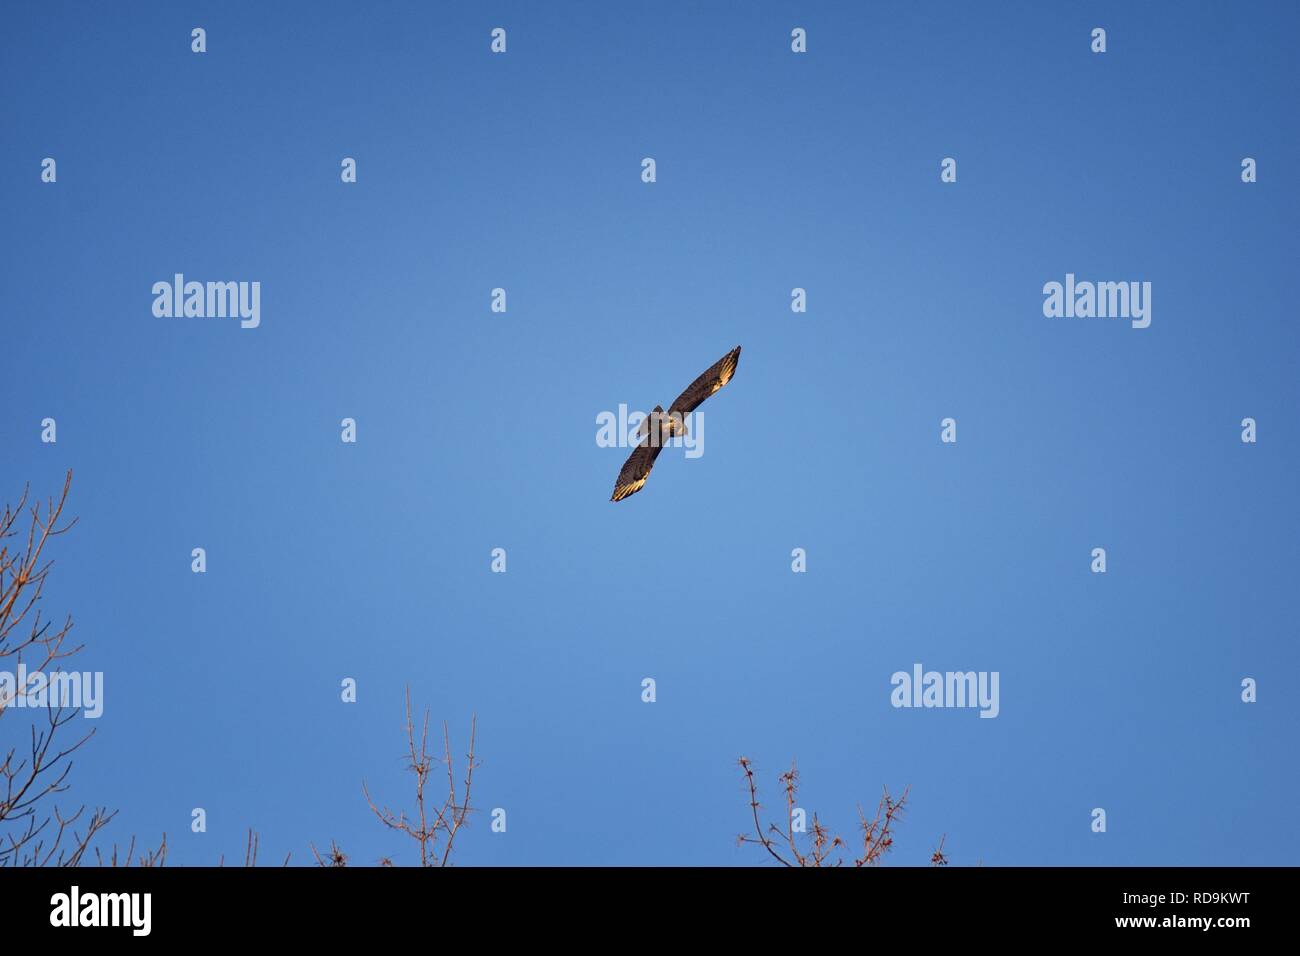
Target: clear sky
476	430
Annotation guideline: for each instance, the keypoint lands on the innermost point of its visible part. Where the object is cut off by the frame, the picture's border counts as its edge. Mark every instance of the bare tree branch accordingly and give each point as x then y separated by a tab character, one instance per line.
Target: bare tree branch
433	827
782	842
33	831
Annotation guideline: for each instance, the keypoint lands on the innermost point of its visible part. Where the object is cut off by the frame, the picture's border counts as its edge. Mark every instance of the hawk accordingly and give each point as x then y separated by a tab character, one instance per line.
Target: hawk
660	426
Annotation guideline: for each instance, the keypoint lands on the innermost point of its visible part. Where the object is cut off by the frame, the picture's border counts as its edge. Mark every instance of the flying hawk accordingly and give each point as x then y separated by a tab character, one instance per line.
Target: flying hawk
660	426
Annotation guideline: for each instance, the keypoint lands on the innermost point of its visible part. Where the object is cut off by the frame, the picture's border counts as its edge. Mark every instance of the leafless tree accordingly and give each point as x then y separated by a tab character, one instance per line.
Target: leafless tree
34	831
126	857
820	845
250	851
433	825
335	856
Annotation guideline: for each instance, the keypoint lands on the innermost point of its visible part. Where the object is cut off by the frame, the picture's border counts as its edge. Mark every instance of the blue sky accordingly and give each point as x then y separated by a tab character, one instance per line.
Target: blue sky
477	430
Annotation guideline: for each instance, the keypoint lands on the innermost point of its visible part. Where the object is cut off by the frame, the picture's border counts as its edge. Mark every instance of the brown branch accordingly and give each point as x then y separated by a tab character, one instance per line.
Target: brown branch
33	832
746	766
877	833
431	824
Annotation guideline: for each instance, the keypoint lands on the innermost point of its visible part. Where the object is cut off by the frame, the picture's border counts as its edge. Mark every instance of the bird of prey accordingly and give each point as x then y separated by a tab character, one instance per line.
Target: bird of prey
660	426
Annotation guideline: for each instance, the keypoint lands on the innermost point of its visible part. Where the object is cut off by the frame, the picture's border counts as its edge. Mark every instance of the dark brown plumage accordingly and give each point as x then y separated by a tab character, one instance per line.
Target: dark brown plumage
663	425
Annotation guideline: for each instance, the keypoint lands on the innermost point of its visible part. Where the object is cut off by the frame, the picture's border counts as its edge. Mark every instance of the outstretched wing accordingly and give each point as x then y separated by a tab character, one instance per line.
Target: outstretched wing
718	375
636	469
